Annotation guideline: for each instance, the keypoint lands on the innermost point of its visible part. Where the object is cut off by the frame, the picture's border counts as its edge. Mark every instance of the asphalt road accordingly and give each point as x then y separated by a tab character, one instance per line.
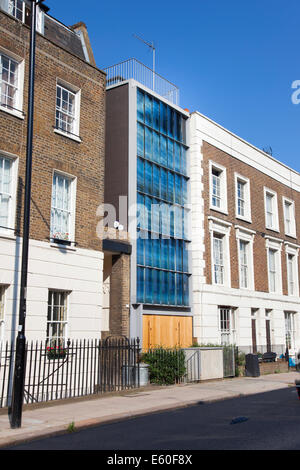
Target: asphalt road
267	421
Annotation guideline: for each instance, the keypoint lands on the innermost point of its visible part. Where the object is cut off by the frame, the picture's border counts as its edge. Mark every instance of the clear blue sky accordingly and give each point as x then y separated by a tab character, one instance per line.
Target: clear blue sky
233	60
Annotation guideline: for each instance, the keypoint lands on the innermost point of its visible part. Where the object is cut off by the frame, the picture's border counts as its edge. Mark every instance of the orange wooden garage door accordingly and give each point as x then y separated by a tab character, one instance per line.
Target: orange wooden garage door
167	330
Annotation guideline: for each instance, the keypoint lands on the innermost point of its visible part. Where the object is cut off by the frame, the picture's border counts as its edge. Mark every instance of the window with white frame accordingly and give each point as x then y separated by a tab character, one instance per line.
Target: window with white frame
245	239
274	266
62	208
272	269
67	109
271	210
289	318
289	217
292	269
2	302
7	193
11	83
243	203
244	264
218	187
21	10
57	318
220	258
227	325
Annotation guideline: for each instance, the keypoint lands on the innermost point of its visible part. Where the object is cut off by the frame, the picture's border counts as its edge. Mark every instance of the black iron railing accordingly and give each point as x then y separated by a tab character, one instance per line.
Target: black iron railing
75	369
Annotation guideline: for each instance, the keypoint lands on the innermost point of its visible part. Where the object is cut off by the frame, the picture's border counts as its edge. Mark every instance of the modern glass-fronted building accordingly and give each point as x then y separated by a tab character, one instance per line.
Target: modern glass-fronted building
162	193
147	160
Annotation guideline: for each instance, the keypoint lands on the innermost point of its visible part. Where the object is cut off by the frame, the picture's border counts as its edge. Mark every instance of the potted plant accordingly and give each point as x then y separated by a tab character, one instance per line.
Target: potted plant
56	352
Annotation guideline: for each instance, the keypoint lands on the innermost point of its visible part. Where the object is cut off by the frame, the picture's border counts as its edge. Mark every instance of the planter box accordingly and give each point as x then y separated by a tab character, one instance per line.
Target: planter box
273	367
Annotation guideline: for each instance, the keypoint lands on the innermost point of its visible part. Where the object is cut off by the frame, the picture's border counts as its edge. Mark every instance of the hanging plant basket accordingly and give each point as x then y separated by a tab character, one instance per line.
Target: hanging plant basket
56	352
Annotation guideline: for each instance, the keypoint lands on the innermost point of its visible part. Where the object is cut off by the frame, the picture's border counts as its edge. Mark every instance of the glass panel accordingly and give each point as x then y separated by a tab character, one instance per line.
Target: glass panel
177	157
170	122
185	289
164	287
148	143
164	183
140	211
156	149
156	178
140	250
185	224
178	222
140	105
172	220
171	185
140	174
163	118
156	252
170	154
183	160
165	224
148	177
177	188
148	286
148	252
163	151
185	258
148	110
164	253
178	255
155	217
176	117
184	191
179	289
148	213
140	284
156	286
156	114
140	139
172	288
172	254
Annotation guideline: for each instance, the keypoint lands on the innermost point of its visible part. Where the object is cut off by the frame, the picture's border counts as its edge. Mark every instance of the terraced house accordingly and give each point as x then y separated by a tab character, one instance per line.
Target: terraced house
64	296
246	240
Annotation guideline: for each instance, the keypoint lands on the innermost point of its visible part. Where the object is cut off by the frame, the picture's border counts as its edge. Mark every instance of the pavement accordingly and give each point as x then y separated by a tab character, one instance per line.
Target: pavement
56	417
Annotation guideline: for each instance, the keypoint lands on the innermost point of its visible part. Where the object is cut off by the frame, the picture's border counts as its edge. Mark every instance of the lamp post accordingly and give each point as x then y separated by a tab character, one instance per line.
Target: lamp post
15	414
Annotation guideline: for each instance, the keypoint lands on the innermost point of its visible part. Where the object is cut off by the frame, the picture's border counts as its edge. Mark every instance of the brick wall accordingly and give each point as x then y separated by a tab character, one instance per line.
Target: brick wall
257	182
84	160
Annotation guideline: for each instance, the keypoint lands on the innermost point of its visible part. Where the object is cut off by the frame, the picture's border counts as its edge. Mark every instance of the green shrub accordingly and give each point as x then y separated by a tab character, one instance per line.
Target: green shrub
166	366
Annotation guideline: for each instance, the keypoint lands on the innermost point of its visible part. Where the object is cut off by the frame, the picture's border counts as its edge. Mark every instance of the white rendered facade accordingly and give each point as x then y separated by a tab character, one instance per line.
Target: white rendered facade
247	308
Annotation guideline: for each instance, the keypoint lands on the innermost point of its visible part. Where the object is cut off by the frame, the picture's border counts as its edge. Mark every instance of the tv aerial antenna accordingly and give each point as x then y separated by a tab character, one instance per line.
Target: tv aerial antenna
152	47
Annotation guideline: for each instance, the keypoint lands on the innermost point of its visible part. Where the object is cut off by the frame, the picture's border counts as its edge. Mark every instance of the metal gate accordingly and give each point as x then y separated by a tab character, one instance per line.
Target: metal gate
229	361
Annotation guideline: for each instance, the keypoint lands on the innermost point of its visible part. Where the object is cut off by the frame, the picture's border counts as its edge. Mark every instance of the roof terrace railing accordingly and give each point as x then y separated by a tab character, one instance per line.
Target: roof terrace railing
134	69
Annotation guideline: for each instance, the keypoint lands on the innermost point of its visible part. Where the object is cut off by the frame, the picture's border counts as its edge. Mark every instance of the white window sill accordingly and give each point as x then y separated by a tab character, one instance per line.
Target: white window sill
218	209
69	136
7	234
13	112
245	219
292	235
61	246
274	229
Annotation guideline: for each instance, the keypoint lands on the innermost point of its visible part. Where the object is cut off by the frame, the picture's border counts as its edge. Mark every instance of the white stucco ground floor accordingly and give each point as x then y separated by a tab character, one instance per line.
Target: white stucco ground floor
252	320
64	294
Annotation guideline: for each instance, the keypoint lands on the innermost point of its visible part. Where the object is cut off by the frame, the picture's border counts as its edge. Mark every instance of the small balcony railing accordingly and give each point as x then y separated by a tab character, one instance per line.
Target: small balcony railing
133	69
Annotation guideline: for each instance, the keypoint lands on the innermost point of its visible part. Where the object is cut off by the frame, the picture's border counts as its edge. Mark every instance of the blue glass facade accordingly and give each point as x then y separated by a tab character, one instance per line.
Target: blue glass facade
162	181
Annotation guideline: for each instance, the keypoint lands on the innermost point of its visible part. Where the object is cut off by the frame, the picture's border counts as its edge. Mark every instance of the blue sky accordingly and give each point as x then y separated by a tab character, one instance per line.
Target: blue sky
234	61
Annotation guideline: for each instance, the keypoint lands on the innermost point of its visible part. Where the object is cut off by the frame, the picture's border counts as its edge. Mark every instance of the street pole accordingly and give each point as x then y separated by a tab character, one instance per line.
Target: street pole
20	365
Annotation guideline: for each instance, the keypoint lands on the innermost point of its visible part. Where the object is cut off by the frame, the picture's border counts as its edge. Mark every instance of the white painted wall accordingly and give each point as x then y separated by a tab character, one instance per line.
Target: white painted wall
207	298
79	271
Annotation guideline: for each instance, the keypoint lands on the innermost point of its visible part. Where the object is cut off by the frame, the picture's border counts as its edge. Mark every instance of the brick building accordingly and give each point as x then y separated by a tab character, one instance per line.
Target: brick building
64	297
245	242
